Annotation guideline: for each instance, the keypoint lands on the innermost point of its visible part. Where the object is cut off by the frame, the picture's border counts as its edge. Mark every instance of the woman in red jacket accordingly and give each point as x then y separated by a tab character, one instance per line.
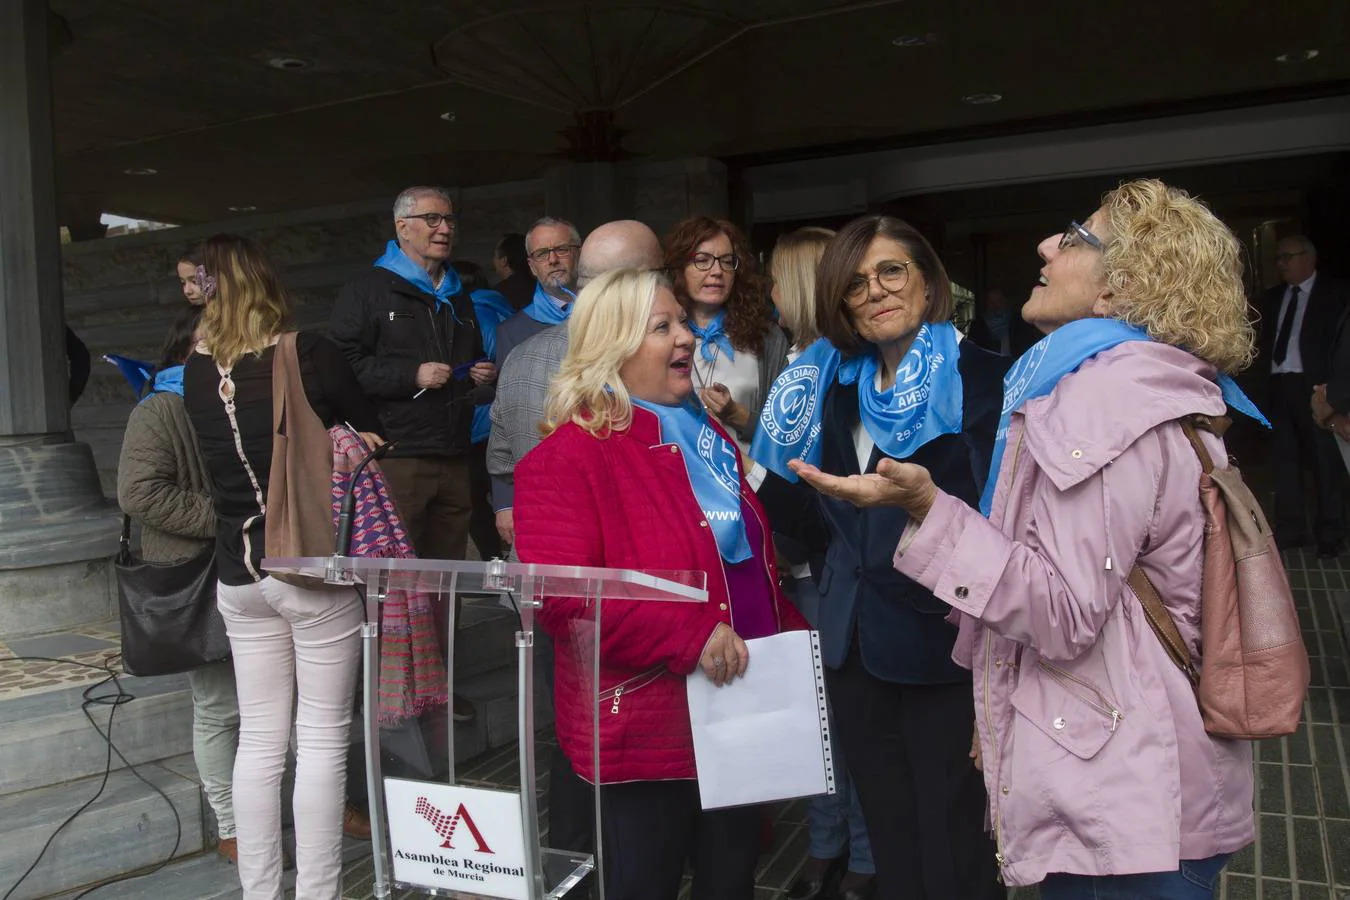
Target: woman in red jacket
637	475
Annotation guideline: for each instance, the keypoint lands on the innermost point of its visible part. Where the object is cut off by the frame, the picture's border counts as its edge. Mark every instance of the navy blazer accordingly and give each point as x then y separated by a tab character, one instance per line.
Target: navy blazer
898	626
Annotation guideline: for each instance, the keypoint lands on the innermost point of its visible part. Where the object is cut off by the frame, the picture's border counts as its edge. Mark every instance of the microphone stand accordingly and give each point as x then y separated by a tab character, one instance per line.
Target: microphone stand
337	572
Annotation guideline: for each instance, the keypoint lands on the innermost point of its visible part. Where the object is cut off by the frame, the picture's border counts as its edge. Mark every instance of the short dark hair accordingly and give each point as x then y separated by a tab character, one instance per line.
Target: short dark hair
470	274
840	263
179	341
511	247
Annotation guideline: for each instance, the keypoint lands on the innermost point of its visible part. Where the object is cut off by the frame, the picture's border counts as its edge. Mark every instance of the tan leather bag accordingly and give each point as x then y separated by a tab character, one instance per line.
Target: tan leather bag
299	492
1254	670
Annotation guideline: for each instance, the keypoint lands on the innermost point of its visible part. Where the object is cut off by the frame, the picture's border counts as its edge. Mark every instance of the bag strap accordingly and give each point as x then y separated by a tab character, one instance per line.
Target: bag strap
1160	620
1215	425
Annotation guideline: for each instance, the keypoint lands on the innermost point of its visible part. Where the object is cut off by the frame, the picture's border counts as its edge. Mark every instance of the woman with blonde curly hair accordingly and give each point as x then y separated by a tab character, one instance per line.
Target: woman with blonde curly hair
738	349
1101	778
637	475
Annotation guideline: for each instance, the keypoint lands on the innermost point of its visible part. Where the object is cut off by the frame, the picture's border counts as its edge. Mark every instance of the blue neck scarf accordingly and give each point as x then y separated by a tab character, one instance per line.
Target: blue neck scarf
714	337
396	261
711	461
926	401
168	380
491	309
547	309
1060	353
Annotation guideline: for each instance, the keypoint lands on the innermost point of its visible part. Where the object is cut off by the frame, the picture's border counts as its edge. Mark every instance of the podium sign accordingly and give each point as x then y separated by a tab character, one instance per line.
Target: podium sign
463	839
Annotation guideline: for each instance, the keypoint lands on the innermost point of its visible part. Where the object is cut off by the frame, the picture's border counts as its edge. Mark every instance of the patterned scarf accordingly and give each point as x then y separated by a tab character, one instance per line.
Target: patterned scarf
412	671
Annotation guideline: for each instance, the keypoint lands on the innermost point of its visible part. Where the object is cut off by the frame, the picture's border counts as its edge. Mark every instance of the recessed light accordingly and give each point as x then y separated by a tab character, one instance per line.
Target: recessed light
140	170
981	99
289	63
242	208
448	117
914	40
1298	56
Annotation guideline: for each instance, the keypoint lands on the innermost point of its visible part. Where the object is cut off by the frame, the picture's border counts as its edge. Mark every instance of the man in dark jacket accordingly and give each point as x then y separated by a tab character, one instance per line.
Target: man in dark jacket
408	329
1299	318
551	246
512	267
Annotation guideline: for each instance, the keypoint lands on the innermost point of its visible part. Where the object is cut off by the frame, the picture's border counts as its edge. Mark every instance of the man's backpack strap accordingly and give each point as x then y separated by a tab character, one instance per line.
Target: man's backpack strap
1160	620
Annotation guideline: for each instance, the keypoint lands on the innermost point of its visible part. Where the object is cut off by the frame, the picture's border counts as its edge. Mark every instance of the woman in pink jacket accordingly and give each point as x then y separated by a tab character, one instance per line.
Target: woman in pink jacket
637	475
1102	781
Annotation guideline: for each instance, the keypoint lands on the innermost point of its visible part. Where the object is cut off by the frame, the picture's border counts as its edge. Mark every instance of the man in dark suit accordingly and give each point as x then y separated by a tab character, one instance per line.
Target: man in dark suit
1300	318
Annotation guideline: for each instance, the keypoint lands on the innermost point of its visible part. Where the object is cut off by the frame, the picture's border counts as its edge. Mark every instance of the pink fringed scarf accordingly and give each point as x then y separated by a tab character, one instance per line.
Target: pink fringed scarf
412	671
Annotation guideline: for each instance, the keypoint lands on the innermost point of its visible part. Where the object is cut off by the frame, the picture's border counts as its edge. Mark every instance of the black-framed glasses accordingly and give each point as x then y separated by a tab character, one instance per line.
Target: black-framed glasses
1285	257
704	261
1075	233
563	251
434	220
891	276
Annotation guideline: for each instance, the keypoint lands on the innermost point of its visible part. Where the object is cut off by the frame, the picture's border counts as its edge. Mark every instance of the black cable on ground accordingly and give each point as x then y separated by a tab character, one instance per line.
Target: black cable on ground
114	700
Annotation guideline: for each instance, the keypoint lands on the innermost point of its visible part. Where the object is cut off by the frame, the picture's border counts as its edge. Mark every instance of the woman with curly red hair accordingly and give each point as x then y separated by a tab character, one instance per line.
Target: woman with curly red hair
740	350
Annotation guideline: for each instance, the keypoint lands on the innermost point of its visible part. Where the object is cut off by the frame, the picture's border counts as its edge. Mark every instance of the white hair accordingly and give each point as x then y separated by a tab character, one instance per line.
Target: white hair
548	221
407	199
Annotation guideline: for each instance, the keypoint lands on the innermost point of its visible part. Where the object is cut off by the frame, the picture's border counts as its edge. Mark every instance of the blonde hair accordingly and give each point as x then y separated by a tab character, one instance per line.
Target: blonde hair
796	257
249	308
1176	271
607	326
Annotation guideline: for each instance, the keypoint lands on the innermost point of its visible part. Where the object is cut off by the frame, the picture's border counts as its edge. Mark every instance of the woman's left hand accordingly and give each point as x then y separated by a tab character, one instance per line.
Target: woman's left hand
717	398
894	483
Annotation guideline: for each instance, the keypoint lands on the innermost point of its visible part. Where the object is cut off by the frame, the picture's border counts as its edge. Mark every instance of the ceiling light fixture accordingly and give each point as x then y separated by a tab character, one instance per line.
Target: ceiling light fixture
448	117
242	208
981	99
914	40
140	170
289	63
1298	56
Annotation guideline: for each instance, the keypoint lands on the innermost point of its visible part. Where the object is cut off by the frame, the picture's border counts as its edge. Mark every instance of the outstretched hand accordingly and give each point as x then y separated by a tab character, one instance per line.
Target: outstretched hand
894	483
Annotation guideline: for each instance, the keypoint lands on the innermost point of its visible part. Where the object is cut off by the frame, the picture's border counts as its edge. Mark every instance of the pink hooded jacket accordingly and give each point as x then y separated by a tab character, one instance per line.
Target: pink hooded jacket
1095	757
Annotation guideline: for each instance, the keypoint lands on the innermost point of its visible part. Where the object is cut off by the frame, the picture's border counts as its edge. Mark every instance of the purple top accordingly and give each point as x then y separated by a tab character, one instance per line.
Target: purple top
748	585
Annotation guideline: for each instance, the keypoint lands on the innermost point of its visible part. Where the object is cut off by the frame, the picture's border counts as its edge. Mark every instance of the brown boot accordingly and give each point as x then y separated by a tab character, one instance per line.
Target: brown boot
228	849
355	824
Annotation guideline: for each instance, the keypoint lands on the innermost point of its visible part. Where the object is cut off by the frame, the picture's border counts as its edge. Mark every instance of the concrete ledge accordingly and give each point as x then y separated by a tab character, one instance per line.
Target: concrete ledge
49	598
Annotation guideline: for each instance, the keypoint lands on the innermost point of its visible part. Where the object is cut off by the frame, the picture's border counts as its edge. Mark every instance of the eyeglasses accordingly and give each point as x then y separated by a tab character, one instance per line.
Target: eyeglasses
564	251
891	276
1075	233
1285	257
434	220
704	262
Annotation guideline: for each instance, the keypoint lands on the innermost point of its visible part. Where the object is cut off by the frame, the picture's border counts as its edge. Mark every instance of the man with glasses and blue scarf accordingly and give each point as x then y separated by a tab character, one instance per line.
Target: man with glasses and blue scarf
551	247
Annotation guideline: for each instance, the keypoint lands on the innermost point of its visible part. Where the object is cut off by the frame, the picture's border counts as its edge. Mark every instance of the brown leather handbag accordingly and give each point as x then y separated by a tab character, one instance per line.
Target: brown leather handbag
299	492
1254	671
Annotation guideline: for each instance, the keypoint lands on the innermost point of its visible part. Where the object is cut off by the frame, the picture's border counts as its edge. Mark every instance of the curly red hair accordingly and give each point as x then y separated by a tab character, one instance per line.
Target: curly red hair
749	311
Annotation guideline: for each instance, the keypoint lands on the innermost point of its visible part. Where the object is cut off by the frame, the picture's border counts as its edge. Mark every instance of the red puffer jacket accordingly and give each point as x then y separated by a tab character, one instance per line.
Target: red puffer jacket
625	502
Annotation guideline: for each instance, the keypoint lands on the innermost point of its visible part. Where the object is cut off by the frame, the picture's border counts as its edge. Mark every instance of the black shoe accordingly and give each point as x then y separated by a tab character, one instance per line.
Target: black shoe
823	887
1290	542
865	891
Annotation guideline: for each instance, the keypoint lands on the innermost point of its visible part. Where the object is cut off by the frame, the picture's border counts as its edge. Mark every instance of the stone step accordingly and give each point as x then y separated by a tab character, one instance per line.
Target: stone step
202	877
46	739
129	827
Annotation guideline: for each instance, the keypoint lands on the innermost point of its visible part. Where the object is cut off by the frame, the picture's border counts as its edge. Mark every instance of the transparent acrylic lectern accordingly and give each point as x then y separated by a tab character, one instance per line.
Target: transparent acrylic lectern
450	839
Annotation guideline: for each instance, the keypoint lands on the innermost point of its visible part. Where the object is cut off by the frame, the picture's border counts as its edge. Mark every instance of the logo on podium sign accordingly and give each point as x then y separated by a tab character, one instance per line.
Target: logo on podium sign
457	838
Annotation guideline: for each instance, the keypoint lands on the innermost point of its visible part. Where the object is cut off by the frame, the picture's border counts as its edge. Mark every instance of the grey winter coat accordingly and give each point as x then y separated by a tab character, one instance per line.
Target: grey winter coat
162	482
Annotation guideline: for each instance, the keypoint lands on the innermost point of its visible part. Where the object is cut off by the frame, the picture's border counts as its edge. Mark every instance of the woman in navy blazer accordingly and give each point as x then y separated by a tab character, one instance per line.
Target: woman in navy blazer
902	707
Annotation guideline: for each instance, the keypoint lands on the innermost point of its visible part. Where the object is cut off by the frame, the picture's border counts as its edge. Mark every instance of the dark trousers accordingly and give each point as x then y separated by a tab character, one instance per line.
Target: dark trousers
434	502
652	827
907	748
571	802
482	518
1300	445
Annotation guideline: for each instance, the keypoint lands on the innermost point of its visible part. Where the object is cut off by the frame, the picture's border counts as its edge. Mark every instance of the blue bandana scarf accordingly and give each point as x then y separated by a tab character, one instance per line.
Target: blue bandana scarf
548	310
491	309
1060	353
711	461
925	402
714	337
167	381
396	261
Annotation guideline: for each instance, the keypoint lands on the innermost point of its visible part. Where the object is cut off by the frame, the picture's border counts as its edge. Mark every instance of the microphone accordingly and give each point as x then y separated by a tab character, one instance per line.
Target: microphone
344	523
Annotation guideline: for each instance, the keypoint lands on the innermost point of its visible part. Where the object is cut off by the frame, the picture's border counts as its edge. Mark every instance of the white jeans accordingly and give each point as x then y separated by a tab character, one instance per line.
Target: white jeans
289	641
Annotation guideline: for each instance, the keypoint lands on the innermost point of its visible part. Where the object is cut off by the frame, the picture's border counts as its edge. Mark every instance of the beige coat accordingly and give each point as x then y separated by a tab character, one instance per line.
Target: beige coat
162	482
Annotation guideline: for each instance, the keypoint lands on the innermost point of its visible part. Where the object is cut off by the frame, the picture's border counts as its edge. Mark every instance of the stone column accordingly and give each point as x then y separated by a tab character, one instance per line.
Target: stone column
586	194
57	531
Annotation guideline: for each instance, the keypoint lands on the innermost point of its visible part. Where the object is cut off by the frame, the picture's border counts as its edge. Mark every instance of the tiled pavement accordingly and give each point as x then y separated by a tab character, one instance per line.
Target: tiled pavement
1302	849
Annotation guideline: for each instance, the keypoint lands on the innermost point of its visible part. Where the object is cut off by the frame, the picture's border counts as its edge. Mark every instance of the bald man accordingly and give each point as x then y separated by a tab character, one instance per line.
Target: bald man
524	380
